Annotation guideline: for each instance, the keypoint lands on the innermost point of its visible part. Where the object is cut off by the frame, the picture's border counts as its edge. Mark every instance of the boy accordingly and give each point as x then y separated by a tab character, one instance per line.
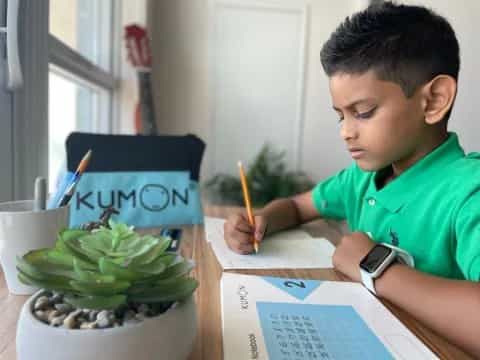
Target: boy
393	73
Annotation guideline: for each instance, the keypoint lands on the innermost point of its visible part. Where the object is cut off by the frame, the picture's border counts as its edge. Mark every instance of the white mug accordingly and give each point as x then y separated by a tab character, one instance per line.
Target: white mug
22	230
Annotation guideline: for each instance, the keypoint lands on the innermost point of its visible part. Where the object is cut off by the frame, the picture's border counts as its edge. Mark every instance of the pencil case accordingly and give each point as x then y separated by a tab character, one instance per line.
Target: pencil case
152	180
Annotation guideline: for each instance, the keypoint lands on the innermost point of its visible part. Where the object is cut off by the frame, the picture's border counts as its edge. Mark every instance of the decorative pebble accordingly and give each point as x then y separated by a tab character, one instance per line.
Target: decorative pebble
111	316
103	319
57	321
41	303
88	325
51	314
41	315
92	315
56	298
63	308
70	321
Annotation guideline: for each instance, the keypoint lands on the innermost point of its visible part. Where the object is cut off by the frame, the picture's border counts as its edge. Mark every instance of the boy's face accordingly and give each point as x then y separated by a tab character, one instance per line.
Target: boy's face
379	124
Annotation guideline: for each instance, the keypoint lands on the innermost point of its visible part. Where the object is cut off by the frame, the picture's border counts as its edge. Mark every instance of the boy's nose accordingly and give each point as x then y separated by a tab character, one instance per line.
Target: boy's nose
348	130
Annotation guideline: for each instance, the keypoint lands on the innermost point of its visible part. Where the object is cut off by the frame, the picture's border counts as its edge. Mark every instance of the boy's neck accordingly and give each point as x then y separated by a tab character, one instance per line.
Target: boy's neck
430	143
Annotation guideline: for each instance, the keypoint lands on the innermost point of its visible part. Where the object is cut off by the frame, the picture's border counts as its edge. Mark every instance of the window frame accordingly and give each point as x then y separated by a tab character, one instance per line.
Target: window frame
72	65
39	53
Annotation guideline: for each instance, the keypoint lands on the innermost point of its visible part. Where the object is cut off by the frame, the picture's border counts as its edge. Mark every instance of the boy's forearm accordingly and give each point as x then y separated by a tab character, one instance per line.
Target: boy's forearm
280	214
449	307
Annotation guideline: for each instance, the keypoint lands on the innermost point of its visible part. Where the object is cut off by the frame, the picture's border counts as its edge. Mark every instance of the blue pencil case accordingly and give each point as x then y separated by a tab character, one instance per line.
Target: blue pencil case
151	180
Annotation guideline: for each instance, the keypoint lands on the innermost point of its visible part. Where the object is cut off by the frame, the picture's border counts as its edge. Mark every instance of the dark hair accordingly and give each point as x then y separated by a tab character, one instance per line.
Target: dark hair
408	45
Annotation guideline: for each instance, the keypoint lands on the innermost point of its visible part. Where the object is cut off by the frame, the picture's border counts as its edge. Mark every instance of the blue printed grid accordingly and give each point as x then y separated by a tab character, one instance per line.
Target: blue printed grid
313	331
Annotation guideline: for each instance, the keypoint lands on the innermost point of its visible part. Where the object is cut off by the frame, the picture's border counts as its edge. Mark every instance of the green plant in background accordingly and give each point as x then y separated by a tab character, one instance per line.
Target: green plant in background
109	267
267	179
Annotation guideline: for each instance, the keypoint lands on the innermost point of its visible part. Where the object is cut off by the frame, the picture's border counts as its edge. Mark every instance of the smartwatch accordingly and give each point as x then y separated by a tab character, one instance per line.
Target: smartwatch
380	258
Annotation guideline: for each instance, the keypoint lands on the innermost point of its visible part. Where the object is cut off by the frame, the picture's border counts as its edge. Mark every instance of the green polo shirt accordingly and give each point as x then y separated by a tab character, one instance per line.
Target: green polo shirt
432	210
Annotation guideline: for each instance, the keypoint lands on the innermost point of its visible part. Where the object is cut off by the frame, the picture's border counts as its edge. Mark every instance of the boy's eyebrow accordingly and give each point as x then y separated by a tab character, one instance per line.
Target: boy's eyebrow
356	102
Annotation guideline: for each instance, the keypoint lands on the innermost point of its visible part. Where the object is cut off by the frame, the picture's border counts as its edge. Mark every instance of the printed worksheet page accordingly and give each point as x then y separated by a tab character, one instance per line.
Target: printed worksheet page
284	250
295	319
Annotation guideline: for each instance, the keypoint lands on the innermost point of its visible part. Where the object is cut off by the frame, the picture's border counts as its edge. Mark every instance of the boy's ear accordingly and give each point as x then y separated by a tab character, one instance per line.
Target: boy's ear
438	97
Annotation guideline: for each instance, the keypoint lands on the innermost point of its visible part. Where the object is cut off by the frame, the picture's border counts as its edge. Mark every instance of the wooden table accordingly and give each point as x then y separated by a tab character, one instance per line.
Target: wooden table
209	337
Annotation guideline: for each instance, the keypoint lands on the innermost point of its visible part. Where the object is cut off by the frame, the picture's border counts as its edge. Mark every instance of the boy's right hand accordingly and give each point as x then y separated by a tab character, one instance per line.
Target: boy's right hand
239	233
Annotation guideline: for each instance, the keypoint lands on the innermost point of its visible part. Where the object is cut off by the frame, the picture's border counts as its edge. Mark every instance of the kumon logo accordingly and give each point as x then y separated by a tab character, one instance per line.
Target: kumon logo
151	197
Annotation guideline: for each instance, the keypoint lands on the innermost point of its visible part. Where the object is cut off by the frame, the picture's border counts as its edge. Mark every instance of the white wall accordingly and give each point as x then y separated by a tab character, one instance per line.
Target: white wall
323	153
463	16
180	31
180	75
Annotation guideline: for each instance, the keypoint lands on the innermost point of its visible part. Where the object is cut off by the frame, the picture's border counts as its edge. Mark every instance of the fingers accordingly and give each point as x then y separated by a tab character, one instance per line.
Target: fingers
239	234
240	247
260	228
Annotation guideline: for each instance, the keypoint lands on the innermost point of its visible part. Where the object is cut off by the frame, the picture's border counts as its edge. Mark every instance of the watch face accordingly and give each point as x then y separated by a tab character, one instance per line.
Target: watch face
375	258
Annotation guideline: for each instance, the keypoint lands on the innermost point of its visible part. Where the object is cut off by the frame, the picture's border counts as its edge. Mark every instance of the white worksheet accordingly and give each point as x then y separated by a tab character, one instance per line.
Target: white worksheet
284	250
294	319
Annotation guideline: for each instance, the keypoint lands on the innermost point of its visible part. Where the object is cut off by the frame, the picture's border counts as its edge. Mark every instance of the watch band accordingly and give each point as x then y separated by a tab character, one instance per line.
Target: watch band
367	281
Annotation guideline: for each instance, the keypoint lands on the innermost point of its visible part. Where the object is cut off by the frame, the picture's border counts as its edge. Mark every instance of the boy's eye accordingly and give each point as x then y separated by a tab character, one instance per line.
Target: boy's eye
340	116
367	114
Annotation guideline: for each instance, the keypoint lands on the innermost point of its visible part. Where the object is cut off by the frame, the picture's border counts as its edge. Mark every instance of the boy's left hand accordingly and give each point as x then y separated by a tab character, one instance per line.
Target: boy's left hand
348	253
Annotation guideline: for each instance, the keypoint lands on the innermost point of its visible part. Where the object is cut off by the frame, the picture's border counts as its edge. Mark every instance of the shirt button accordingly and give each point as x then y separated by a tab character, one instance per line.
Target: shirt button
371	202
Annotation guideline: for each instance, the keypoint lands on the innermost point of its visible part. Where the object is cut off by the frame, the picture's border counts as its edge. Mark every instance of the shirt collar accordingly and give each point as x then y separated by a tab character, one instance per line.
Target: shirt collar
403	188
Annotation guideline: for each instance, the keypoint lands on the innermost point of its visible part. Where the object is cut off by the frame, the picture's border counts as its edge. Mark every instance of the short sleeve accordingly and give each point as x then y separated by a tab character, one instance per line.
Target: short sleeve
329	195
467	229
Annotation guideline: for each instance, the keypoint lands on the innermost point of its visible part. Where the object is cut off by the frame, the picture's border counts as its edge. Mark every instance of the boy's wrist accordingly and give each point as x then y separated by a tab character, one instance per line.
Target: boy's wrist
279	214
384	283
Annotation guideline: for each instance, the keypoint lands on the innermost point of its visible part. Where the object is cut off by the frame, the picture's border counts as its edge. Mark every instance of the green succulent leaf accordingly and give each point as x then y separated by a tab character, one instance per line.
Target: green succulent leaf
154	253
171	291
38	261
71	234
155	267
52	283
99	241
100	288
30	270
146	244
66	259
83	253
91	276
179	269
108	267
97	302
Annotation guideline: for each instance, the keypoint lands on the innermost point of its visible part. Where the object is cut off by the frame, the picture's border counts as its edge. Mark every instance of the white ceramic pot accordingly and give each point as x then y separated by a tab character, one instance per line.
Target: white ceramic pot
170	335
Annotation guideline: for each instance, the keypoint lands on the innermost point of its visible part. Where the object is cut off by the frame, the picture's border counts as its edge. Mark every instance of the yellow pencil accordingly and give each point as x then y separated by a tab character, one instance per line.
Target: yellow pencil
248	205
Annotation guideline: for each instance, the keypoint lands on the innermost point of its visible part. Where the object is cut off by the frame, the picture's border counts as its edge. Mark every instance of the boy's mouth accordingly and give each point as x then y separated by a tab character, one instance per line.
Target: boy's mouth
356	152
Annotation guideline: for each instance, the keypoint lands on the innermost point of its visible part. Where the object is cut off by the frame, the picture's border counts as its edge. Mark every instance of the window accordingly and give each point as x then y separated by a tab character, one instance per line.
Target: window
81	77
75	77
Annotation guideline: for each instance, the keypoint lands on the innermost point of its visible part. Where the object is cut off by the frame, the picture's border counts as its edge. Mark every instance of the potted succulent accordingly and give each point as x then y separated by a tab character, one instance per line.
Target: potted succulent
109	293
